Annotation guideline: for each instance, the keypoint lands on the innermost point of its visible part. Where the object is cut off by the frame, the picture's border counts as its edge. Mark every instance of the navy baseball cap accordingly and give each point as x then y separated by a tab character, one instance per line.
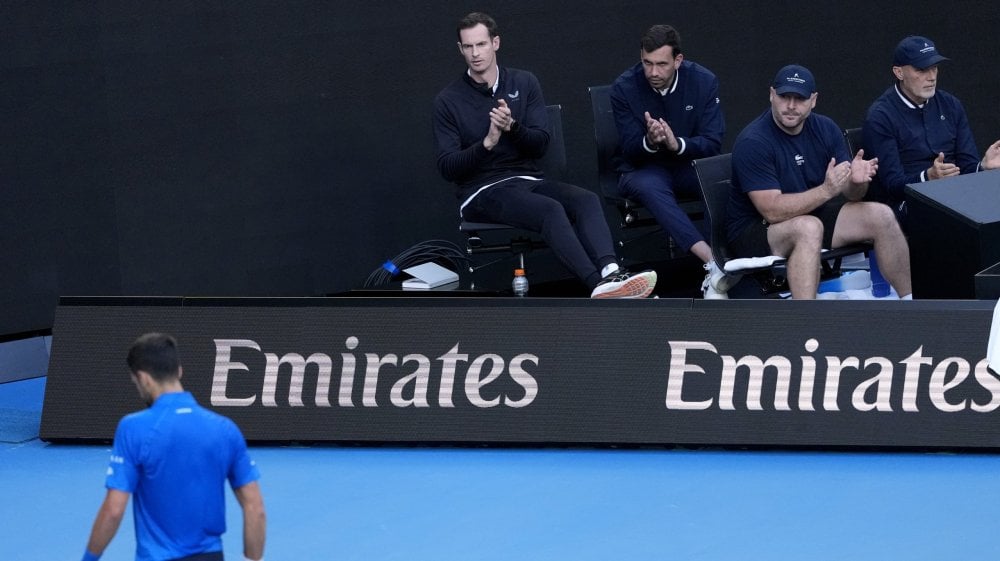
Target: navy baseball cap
794	79
918	52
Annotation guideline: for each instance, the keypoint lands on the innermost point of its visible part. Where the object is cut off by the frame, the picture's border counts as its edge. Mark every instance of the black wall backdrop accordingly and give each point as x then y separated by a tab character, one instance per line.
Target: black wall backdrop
284	148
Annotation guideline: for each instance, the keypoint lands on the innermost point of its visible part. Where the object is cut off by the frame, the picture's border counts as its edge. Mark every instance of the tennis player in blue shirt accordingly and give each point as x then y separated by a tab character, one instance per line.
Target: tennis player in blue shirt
796	191
175	457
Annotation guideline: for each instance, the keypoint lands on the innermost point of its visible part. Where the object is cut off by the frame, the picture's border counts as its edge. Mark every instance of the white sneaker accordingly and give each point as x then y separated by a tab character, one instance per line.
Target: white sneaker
717	283
626	285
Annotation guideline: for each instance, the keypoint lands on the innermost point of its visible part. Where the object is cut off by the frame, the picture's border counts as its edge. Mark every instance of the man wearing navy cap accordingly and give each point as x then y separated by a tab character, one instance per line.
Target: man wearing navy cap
796	190
918	132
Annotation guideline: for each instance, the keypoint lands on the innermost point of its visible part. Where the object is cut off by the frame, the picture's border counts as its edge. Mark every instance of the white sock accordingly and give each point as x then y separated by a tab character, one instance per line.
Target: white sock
609	269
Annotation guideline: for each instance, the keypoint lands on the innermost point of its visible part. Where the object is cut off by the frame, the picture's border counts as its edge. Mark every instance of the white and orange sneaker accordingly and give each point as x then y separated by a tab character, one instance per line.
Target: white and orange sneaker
621	284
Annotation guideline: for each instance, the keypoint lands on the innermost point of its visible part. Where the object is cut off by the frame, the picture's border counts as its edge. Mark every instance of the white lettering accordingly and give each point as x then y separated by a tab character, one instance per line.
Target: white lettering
678	368
523	379
347	369
474	383
374	364
988	380
410	389
449	362
833	370
807	383
223	364
419	379
271	369
881	382
939	384
840	374
911	380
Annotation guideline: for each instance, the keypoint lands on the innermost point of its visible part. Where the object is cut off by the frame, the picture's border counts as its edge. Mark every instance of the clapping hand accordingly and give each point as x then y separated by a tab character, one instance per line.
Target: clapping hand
991	160
500	122
659	133
862	171
837	177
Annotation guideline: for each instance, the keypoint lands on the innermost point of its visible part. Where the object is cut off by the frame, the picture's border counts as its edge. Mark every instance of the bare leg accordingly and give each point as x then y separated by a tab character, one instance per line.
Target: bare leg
875	222
799	240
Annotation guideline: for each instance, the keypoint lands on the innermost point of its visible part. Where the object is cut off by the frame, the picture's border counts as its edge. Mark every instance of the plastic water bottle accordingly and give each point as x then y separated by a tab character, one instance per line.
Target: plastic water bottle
520	283
880	287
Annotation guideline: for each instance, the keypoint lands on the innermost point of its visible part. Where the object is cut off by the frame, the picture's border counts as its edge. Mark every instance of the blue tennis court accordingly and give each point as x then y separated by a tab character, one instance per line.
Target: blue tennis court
354	503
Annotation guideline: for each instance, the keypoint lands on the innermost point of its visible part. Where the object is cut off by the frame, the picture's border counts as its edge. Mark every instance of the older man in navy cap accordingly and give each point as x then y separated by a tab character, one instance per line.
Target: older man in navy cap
917	131
796	191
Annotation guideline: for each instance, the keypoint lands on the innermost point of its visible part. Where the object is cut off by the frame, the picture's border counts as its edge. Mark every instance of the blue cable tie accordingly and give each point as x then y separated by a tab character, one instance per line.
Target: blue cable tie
391	267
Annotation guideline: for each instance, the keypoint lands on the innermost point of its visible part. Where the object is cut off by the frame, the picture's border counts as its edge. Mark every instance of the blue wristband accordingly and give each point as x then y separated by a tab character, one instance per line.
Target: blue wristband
88	556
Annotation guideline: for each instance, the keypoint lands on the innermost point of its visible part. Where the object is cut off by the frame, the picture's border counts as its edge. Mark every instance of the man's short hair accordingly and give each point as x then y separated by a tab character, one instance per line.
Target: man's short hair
660	36
155	353
474	19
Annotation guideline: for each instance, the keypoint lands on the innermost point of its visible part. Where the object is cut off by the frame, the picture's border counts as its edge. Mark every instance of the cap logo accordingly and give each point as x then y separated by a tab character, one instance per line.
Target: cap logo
795	78
927	48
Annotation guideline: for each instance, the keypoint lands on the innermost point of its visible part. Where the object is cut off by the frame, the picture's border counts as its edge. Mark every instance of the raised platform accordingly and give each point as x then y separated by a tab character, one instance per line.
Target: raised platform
539	371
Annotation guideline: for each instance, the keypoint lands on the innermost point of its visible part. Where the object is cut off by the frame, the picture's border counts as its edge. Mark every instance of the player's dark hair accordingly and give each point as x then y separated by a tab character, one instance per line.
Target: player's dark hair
155	353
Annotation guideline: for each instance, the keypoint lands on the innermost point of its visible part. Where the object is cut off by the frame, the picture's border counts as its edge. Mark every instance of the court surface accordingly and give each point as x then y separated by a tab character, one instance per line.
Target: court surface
354	503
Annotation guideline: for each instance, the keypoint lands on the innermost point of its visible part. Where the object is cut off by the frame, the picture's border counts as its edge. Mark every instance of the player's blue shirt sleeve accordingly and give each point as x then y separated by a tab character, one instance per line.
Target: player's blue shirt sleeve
243	469
123	467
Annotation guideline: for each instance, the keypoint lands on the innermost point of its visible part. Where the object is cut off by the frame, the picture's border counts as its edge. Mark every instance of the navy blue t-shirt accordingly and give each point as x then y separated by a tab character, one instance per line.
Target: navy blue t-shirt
766	157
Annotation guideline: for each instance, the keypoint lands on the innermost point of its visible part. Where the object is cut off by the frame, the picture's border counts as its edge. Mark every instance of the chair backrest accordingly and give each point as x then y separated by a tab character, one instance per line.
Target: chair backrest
714	175
853	139
606	136
713	169
553	163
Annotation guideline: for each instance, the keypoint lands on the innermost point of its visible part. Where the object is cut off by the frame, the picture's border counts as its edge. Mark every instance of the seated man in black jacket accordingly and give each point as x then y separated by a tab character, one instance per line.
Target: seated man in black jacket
491	127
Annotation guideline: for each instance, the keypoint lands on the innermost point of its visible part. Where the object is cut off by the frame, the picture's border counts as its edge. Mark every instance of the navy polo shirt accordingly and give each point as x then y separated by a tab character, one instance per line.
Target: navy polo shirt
174	457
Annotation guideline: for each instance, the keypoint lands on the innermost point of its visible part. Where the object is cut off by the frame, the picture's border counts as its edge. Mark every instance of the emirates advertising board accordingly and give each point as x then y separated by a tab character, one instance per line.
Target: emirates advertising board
503	371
